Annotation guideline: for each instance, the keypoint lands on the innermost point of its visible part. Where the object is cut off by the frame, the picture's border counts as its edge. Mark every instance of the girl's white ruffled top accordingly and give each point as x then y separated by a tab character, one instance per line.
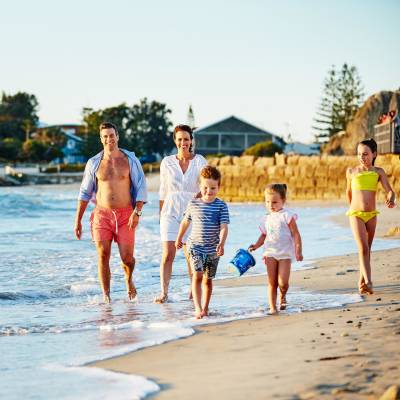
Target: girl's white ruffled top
279	242
178	188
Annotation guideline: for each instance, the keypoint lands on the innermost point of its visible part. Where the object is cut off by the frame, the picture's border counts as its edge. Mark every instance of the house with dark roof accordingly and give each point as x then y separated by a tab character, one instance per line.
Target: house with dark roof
230	136
73	144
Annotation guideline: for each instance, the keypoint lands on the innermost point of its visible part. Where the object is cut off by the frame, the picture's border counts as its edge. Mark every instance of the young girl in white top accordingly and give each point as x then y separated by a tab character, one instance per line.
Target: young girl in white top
282	243
179	183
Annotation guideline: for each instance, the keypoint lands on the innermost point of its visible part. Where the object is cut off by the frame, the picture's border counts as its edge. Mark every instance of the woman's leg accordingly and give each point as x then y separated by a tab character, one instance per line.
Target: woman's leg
168	256
272	269
360	234
190	273
283	280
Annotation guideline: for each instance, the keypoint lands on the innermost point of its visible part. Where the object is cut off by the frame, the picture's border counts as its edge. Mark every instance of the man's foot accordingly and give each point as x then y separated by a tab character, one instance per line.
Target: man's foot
198	314
106	298
132	292
160	299
272	311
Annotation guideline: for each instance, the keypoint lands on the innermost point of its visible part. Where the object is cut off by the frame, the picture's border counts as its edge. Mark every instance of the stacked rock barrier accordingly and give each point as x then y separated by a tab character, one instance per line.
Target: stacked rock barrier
308	177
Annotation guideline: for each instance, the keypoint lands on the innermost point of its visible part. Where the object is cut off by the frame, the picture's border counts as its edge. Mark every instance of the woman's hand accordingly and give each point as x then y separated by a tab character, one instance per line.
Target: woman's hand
178	243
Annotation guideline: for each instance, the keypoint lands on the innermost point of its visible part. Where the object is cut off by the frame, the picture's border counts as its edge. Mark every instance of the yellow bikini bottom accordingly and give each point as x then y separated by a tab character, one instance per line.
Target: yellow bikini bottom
364	215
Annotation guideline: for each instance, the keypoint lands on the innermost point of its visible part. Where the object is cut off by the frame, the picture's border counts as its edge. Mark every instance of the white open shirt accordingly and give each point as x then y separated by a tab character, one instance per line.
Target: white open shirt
178	188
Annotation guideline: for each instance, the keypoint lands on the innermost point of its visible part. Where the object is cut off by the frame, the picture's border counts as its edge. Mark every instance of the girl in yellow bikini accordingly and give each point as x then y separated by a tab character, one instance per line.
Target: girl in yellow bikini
362	182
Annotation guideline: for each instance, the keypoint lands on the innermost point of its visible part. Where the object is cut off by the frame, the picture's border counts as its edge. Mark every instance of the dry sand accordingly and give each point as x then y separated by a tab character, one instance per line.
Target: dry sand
350	352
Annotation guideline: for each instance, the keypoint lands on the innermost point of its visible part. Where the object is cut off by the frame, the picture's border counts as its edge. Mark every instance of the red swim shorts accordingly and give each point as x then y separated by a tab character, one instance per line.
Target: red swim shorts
112	224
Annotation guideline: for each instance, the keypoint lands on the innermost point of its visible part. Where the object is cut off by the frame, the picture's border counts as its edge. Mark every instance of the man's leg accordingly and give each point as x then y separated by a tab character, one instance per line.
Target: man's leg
128	264
104	252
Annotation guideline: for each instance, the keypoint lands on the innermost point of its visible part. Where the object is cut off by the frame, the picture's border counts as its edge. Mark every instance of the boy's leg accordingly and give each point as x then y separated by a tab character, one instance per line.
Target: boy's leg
207	292
104	251
272	269
128	264
210	270
283	280
196	290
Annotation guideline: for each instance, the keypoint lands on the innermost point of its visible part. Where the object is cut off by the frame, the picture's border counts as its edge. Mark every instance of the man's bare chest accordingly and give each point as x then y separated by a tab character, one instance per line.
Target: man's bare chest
113	170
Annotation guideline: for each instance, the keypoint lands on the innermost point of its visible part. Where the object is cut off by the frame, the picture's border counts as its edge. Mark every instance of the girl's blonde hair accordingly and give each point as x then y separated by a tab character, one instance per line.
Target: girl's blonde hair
279	188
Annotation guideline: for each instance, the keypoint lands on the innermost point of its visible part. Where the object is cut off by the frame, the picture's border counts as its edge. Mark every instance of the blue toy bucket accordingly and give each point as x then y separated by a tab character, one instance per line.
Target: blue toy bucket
242	261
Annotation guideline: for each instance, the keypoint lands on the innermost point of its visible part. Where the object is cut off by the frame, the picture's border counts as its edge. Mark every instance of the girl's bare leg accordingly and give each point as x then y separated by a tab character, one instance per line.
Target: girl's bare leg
272	269
360	234
371	226
196	290
283	280
168	256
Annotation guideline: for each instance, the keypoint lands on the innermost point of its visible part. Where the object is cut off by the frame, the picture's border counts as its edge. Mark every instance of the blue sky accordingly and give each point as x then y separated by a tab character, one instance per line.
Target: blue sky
263	61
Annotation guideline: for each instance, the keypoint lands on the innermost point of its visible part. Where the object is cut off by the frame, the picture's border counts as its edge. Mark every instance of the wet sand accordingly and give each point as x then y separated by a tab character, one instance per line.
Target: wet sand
351	352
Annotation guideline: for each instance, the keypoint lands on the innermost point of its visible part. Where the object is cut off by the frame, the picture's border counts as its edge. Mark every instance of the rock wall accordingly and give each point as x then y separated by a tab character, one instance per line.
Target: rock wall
362	126
308	178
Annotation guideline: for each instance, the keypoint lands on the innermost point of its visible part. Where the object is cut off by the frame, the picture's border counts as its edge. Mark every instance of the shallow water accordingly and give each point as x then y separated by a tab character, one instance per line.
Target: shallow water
50	301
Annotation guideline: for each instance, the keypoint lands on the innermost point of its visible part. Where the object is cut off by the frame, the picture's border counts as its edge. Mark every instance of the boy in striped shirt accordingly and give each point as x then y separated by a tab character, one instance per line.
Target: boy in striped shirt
210	218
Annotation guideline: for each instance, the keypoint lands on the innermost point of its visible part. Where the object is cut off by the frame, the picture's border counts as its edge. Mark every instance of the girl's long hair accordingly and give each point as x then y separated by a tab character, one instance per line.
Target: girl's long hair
372	145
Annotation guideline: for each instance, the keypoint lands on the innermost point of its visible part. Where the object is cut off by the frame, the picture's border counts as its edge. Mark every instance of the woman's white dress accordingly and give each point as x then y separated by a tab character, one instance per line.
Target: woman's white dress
176	190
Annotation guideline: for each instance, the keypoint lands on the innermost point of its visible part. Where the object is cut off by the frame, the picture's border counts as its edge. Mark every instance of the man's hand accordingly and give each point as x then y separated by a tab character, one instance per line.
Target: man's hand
133	221
78	229
220	250
178	243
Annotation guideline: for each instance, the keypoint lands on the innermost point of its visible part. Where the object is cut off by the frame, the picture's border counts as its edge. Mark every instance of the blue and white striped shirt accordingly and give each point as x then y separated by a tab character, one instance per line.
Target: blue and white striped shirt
206	224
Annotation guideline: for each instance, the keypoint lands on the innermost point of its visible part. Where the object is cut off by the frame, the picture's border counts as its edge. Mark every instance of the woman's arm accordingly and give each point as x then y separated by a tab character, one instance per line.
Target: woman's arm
348	185
297	240
163	184
390	195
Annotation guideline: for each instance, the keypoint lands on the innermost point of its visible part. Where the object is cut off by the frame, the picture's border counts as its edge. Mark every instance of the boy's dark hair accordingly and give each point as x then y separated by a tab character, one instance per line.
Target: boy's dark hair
184	128
372	145
210	172
280	188
108	125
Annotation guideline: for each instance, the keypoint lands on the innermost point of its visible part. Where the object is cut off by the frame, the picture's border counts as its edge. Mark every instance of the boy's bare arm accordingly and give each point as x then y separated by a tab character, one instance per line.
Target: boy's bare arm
223	233
182	229
297	240
80	210
259	243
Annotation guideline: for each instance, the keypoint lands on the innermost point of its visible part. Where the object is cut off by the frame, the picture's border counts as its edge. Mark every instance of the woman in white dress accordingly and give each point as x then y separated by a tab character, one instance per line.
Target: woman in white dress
179	183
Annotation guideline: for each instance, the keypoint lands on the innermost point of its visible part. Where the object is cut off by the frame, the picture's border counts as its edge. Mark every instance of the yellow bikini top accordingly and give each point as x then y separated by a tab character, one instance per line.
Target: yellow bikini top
366	180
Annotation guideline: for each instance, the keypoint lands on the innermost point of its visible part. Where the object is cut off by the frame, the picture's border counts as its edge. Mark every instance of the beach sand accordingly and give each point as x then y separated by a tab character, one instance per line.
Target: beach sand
351	352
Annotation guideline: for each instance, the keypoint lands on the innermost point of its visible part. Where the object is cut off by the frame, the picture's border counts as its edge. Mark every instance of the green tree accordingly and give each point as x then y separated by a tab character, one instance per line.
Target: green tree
92	119
341	98
10	149
263	149
18	115
149	128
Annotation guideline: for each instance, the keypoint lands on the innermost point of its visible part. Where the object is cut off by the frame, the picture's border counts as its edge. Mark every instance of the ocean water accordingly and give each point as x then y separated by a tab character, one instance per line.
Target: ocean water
53	322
